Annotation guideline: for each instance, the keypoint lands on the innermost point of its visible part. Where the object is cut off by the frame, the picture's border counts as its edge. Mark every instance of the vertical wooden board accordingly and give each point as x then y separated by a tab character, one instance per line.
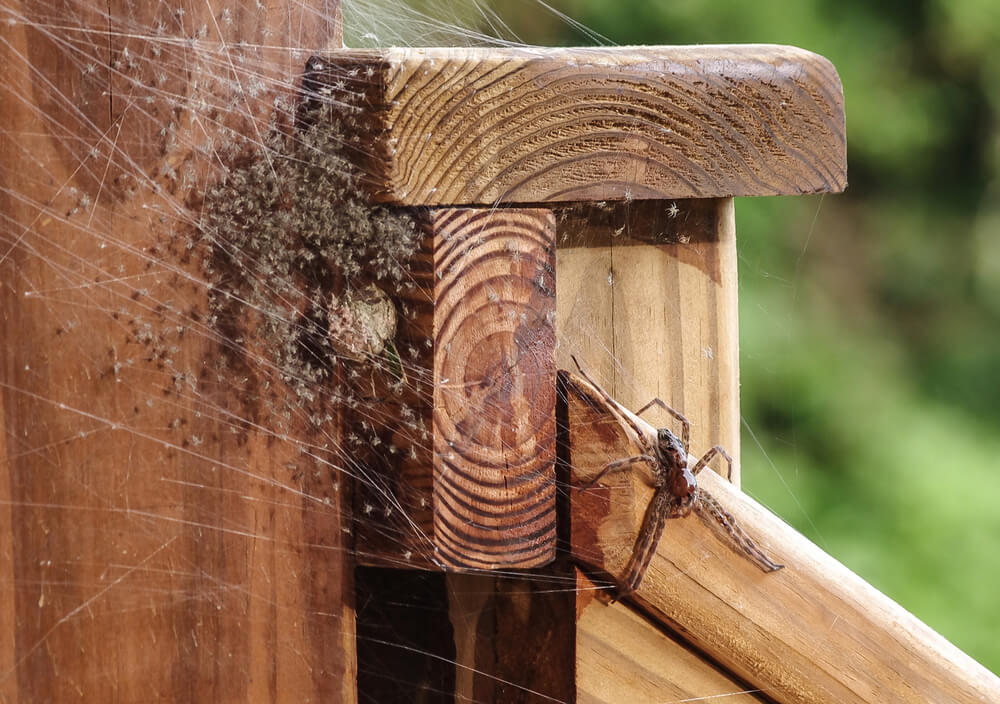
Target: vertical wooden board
676	319
8	610
393	506
159	543
406	647
585	305
471	599
514	637
655	313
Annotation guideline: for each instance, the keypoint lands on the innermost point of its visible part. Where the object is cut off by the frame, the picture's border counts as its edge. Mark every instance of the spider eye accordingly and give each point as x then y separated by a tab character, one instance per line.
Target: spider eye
669	442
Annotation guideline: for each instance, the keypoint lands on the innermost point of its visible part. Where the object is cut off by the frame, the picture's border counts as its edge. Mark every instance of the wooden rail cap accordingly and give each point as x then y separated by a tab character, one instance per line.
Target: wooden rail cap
531	125
811	633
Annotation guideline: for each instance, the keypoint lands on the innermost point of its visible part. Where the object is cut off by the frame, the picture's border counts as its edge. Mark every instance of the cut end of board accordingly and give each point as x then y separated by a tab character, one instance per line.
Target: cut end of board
531	125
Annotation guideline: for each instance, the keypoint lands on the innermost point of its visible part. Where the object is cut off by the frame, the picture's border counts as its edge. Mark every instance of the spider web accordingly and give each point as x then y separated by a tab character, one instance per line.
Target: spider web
169	251
171	246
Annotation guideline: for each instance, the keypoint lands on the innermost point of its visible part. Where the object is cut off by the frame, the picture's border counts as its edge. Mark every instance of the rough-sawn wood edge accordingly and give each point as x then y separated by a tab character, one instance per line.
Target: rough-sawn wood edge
810	633
457	126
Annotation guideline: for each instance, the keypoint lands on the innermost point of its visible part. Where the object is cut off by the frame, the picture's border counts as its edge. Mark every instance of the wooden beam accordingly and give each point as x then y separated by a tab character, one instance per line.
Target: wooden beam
477	484
163	539
623	657
488	126
813	632
647	303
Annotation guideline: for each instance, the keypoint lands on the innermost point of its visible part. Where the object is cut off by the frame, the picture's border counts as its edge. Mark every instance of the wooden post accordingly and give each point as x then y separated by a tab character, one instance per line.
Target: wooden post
649	309
161	538
662	323
481	485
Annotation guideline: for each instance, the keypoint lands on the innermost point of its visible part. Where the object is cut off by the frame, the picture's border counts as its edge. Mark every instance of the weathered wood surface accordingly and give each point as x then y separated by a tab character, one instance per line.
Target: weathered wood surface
478	484
486	126
624	658
647	304
155	541
813	632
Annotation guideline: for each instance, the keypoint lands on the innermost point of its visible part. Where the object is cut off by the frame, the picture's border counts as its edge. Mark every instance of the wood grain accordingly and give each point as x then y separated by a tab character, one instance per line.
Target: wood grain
647	304
485	126
621	656
156	543
813	632
479	489
494	391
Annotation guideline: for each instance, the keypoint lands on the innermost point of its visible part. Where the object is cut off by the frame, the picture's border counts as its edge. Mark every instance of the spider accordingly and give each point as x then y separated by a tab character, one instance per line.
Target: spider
677	493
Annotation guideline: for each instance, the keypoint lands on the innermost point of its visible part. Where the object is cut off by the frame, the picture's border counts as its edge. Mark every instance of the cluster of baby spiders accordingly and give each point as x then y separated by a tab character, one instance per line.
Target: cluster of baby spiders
676	494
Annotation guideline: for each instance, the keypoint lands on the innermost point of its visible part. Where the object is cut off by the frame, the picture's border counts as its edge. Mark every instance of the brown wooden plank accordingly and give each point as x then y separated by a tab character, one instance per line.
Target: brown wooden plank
623	658
812	632
484	126
406	647
158	544
478	482
647	304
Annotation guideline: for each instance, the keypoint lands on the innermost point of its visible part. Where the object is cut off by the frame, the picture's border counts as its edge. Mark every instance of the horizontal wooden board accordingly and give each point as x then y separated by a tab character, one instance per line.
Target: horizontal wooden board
530	125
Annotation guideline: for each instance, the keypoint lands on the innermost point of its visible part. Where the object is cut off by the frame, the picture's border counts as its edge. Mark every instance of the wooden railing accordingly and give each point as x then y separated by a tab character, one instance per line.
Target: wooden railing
573	202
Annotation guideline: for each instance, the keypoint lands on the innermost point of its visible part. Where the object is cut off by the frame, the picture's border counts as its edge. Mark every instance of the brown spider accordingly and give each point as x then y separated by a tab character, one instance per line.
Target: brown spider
677	493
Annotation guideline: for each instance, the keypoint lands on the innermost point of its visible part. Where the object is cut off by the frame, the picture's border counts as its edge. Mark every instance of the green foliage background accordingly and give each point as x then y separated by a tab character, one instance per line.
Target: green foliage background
870	321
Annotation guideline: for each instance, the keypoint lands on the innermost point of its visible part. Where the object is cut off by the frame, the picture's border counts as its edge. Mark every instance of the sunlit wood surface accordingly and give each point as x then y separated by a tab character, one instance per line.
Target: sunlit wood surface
537	125
623	656
813	632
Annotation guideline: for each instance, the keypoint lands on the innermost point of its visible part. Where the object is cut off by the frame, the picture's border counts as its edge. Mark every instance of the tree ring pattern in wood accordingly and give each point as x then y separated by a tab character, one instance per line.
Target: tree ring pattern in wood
494	393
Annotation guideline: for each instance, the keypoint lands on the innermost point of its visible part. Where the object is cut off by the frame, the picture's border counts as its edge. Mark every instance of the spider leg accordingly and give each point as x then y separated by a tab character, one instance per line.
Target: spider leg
707	457
710	510
616	466
653	522
615	408
685	423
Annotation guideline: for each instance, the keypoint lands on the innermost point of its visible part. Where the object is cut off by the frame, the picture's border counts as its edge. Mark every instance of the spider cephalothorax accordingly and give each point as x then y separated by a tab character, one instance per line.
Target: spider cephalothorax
677	493
672	458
